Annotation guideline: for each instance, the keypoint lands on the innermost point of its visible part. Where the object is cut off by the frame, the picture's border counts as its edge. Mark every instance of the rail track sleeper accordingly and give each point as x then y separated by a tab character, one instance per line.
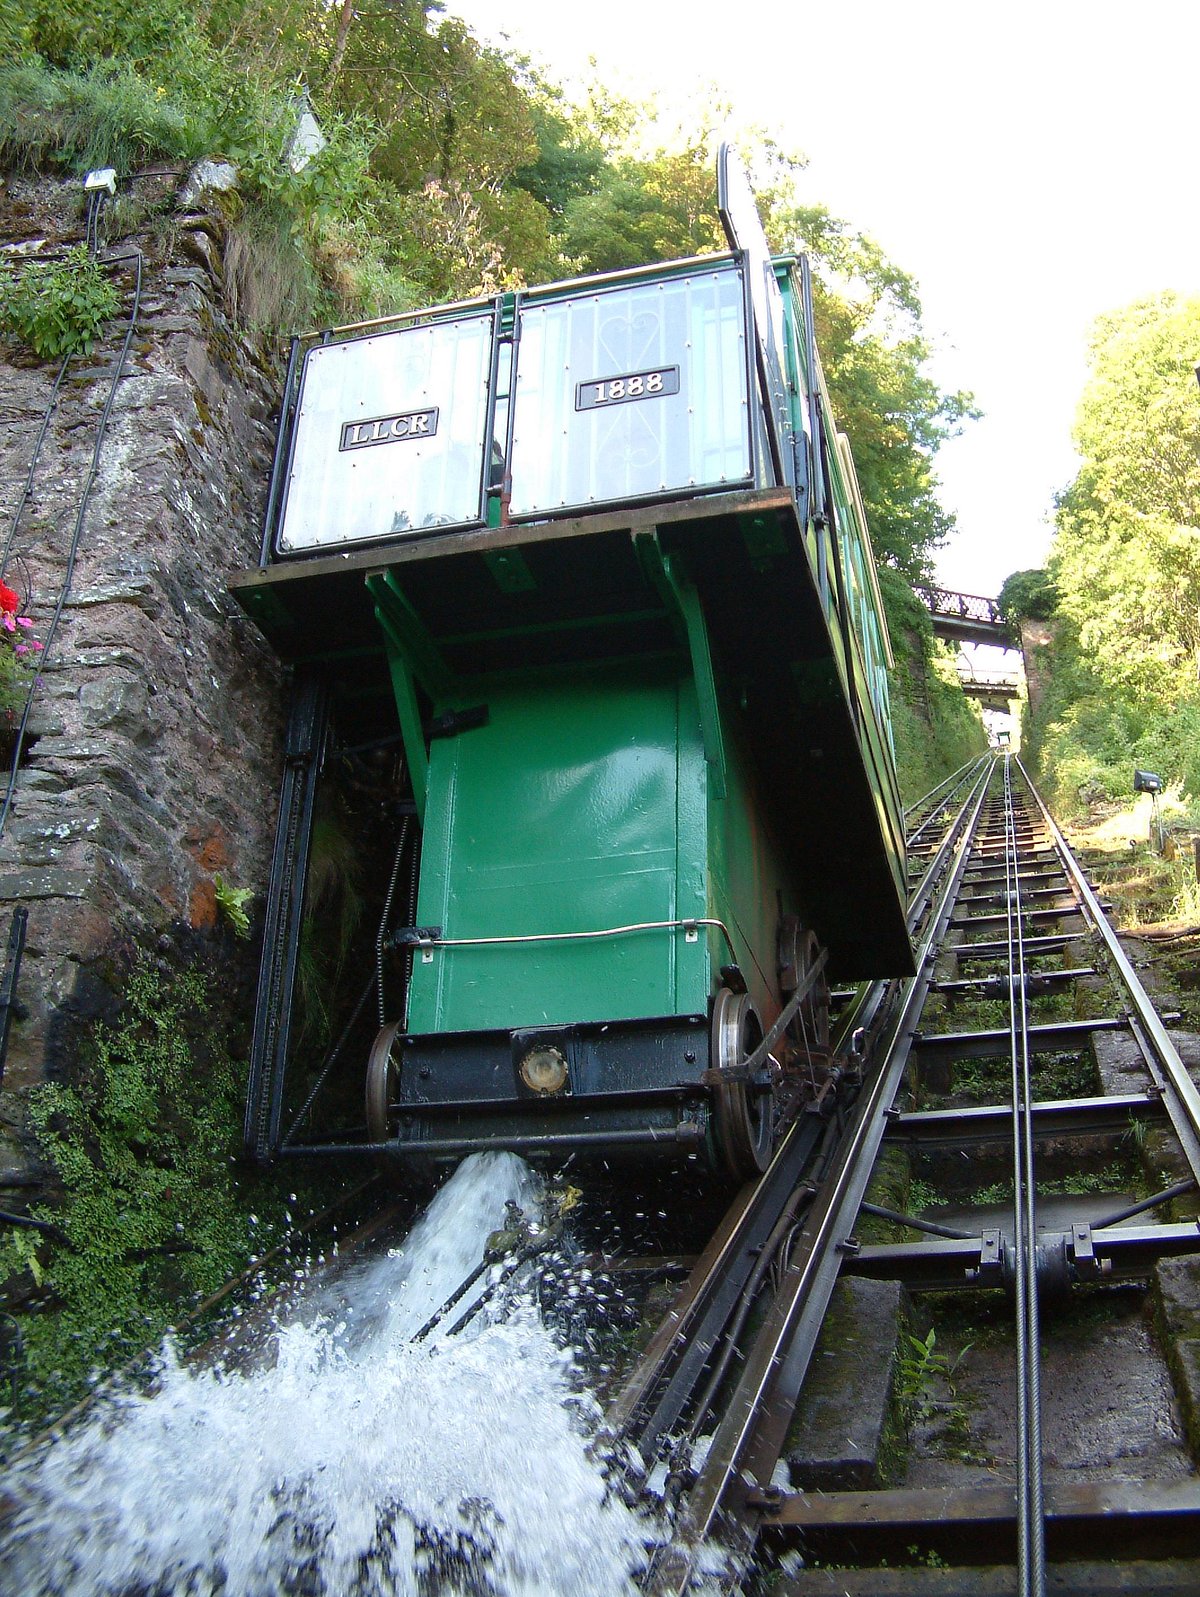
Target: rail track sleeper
960	883
1145	1578
1122	1519
1029	917
990	1123
749	1437
995	1044
1049	943
1042	981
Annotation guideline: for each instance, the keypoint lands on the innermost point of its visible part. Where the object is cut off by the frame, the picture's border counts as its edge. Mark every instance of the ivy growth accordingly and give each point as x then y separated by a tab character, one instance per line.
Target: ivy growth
57	308
151	1213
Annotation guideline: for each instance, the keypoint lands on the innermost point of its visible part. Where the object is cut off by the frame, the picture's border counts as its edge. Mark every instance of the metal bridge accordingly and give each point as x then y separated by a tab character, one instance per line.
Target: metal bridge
995	692
967	618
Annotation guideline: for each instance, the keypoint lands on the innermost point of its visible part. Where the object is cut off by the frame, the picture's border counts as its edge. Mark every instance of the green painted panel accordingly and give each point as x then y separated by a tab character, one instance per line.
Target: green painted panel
579	807
747	879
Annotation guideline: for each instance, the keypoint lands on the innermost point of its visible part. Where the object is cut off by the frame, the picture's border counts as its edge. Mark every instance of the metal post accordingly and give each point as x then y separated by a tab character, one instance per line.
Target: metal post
303	755
8	983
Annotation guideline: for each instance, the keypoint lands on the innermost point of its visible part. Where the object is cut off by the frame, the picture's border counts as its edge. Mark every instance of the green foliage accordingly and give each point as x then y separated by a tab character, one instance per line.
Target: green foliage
150	1213
333	911
1088	735
1028	596
920	1368
16	673
874	352
106	115
76	33
1126	556
57	308
231	905
570	161
935	727
1123	670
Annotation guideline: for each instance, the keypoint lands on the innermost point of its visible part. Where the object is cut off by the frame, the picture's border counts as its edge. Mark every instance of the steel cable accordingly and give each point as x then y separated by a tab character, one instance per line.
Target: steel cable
1031	1550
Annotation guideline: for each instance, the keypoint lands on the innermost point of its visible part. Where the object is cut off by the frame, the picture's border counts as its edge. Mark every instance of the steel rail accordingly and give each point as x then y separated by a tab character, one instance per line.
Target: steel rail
951	781
660	1387
1031	1507
965	775
1181	1098
751	1432
732	1490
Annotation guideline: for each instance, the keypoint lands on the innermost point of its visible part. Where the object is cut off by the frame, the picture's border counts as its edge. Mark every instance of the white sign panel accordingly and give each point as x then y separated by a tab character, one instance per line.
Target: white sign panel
631	392
390	437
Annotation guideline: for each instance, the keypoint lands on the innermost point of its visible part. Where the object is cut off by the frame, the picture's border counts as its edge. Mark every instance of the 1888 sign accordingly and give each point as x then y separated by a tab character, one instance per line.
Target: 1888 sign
604	391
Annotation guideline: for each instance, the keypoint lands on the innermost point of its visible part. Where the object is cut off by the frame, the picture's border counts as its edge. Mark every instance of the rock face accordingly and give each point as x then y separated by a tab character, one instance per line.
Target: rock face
154	743
1035	636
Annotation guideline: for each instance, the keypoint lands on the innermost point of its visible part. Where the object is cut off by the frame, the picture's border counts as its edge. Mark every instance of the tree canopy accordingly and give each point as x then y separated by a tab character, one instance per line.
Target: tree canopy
1126	555
452	169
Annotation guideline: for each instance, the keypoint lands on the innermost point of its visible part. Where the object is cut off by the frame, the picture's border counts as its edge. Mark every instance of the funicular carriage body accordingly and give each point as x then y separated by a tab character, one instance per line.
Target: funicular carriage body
594	557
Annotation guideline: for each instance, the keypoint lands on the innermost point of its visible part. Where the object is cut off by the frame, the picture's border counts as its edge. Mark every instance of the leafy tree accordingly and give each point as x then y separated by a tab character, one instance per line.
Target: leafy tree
1028	595
76	33
569	160
868	317
1126	556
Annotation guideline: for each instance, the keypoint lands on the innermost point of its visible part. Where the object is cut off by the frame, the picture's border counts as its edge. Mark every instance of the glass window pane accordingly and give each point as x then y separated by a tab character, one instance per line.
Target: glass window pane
631	392
390	436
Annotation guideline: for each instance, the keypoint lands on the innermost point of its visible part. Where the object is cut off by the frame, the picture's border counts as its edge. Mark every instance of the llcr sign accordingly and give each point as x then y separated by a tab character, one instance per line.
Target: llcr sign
389	429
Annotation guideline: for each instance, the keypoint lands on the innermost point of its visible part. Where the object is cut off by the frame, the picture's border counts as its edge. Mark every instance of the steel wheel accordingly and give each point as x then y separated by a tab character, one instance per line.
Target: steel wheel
743	1112
798	951
383	1077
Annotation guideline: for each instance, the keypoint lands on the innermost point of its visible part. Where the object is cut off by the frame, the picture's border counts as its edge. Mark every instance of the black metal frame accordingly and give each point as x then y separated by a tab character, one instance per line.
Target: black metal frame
304	752
277	493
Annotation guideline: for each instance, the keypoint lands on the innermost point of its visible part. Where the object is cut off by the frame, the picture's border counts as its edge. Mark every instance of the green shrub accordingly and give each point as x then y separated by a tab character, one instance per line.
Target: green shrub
151	1211
231	905
1088	735
70	33
1028	596
935	727
58	307
106	116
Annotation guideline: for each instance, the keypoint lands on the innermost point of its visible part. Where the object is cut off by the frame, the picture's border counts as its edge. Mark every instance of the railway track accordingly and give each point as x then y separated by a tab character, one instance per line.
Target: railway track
1010	933
1018	972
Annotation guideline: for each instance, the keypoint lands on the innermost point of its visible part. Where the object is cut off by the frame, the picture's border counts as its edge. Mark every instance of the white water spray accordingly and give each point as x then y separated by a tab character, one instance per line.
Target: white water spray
360	1463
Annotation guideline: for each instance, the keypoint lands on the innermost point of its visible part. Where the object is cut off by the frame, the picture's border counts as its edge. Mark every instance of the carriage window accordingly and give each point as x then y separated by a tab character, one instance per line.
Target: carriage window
631	392
390	436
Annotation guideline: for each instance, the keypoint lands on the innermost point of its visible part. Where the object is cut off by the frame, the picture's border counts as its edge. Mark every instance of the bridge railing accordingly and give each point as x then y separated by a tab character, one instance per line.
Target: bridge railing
965	606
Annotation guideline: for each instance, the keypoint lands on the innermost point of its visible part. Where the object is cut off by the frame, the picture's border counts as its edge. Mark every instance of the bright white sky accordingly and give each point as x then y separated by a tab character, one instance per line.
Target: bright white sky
1031	164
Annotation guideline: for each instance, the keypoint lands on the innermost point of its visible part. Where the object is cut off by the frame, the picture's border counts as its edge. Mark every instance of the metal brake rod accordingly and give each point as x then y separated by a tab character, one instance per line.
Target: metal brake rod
751	1432
1181	1097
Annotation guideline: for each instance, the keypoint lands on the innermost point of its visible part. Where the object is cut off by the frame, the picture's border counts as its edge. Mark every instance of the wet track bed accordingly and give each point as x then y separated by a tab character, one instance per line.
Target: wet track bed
1025	1271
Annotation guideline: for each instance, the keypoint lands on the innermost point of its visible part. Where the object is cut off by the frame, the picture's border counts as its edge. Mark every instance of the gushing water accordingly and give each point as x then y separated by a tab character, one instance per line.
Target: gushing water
359	1462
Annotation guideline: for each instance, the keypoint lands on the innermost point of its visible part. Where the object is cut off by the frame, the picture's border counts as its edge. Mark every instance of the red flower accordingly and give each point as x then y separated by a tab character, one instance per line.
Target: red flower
8	599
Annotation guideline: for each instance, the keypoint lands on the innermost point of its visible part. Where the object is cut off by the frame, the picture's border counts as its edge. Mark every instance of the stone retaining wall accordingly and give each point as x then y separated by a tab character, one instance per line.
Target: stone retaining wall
154	752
